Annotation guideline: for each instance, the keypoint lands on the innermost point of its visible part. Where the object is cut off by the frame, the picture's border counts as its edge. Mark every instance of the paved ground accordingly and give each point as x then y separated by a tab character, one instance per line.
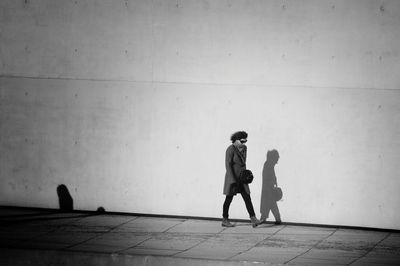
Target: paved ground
32	237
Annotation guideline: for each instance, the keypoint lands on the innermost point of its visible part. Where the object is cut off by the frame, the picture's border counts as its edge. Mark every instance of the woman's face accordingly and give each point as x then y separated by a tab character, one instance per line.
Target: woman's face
241	142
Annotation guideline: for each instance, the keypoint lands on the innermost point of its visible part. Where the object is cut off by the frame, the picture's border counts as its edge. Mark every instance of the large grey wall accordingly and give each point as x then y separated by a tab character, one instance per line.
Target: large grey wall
131	104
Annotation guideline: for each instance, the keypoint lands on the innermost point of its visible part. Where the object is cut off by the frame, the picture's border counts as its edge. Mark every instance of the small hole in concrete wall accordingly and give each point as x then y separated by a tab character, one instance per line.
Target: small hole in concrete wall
382	8
333	6
76	50
26	93
283	7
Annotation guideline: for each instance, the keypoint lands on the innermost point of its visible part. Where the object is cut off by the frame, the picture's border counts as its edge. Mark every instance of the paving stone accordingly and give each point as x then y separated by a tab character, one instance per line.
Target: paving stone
112	242
306	230
390	245
58	240
316	262
46	219
336	256
25	232
248	229
148	224
293	240
197	226
60	217
12	213
187	240
174	241
104	220
145	251
202	252
97	223
4	242
269	254
223	246
376	259
352	240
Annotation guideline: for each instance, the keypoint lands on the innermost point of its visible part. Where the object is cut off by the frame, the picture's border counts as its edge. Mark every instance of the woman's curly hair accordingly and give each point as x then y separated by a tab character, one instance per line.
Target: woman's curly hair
238	135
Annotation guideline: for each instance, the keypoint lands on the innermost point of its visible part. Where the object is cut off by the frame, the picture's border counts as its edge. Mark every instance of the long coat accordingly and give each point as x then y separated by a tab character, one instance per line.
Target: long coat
235	162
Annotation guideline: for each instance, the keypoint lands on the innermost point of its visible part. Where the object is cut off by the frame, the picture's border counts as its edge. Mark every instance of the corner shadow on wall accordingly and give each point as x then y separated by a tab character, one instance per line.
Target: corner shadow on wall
64	199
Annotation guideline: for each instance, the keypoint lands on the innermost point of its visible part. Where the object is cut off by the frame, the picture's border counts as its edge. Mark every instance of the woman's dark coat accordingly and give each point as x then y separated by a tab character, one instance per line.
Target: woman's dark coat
235	162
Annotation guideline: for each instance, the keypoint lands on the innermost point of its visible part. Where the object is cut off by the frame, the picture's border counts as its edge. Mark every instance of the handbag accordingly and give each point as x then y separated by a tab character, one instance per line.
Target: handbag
277	193
246	176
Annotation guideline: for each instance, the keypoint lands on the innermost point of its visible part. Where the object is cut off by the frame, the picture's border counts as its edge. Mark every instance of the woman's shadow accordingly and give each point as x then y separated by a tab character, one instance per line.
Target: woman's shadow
269	183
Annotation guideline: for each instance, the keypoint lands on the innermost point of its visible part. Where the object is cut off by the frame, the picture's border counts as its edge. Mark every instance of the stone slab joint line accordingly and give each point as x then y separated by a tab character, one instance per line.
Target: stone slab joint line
368	251
150	237
165	231
100	234
314	246
258	243
209	236
122	250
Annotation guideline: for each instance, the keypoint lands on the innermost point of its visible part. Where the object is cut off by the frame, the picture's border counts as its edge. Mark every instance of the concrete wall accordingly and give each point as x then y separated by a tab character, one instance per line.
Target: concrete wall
131	104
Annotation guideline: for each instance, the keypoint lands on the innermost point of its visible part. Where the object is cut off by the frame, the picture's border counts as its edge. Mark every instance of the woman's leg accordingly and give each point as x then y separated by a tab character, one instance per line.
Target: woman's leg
227	203
249	204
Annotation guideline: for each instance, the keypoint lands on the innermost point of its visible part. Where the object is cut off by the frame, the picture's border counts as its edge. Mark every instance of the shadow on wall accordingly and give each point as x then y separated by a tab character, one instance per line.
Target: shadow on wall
269	187
64	198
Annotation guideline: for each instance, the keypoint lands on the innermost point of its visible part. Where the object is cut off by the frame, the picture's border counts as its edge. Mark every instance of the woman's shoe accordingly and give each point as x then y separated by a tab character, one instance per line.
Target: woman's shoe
263	220
226	223
254	221
278	222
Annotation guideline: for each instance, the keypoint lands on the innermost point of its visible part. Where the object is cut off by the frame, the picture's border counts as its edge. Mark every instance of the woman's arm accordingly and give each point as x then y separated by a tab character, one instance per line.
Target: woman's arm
229	163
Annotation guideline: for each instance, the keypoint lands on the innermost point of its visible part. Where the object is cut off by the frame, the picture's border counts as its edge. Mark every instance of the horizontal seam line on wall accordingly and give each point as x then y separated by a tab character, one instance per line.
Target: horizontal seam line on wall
198	83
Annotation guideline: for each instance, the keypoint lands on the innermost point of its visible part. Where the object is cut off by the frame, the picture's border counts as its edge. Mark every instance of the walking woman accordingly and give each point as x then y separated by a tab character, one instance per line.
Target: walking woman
235	162
268	202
